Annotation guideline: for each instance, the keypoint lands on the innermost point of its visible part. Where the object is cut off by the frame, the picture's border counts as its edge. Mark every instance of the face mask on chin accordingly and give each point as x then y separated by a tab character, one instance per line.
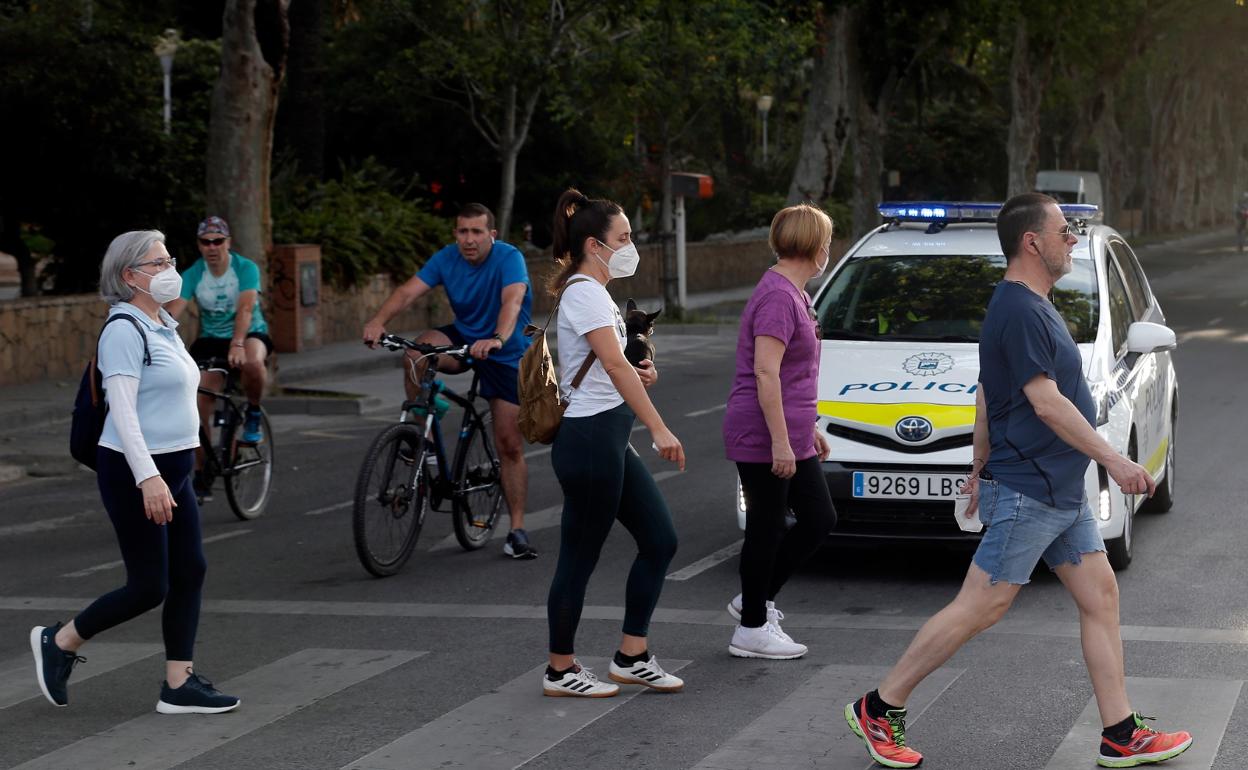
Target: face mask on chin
623	262
164	287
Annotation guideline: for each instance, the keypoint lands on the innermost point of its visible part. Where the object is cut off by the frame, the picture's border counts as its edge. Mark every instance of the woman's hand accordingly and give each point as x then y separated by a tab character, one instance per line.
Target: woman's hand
822	448
158	504
669	447
647	373
783	463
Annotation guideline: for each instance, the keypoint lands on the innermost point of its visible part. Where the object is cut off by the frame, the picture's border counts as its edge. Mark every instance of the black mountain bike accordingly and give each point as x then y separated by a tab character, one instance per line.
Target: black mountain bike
245	468
406	474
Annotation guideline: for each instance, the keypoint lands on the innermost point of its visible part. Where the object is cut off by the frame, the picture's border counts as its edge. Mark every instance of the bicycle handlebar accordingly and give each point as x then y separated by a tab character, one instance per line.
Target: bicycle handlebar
395	342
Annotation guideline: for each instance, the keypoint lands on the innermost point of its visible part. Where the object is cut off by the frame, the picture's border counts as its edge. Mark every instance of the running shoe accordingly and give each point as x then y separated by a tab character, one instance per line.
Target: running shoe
195	696
517	545
579	682
648	673
774	616
253	432
885	738
52	664
766	641
1147	746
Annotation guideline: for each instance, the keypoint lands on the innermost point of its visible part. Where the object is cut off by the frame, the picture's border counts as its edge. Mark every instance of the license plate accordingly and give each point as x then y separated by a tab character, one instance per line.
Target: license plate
880	485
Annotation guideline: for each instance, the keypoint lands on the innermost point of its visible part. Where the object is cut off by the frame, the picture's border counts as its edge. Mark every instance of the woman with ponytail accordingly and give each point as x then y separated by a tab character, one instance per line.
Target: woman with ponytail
602	477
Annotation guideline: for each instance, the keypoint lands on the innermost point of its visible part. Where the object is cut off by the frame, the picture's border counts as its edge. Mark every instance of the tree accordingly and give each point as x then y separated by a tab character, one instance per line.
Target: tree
826	128
254	41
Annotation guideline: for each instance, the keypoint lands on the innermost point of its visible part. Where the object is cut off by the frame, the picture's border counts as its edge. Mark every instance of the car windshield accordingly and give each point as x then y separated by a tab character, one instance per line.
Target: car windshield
937	298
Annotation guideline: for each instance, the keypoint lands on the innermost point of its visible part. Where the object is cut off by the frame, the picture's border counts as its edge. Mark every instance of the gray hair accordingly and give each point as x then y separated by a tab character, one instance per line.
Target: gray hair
126	250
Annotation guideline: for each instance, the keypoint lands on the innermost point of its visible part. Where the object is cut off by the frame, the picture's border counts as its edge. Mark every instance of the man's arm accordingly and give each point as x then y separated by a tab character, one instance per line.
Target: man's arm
512	300
175	307
244	308
1064	419
408	292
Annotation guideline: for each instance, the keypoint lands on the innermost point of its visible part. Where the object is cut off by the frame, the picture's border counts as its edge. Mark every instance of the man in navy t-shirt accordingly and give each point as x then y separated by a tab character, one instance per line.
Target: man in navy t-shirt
487	284
1034	434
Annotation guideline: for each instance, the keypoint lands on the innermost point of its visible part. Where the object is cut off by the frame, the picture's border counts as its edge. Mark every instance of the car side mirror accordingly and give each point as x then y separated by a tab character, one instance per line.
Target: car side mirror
1147	337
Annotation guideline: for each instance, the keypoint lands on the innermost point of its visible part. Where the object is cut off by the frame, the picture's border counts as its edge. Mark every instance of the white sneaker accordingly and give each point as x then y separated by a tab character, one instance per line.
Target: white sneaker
648	673
774	616
766	641
578	683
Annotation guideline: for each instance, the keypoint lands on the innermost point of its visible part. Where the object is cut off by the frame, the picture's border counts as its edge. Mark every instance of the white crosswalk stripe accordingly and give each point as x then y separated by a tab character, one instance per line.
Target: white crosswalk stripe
17	675
268	694
502	729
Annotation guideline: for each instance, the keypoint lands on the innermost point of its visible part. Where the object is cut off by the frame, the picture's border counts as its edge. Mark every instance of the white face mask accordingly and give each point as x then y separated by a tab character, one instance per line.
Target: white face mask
623	262
822	267
165	286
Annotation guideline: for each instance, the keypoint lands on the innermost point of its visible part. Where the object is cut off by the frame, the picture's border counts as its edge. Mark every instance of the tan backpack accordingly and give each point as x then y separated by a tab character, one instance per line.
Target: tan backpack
541	408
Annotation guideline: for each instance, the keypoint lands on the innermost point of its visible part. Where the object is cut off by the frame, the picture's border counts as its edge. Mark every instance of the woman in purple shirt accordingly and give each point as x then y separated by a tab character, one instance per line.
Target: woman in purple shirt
770	432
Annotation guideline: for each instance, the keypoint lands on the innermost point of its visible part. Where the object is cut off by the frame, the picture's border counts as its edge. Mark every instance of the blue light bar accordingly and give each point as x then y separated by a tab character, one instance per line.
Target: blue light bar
962	211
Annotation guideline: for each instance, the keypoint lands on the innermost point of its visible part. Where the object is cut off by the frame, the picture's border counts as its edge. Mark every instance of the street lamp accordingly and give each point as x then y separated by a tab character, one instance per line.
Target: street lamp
166	47
764	105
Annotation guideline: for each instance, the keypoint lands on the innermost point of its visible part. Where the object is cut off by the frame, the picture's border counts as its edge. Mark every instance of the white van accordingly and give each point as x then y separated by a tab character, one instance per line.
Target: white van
1073	187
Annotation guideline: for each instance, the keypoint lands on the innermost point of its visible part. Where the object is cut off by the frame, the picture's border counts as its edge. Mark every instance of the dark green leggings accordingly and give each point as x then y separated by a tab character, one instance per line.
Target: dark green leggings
603	479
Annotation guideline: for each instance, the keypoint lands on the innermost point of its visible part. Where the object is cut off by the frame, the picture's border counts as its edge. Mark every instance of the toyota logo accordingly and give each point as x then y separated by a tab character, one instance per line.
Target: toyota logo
914	429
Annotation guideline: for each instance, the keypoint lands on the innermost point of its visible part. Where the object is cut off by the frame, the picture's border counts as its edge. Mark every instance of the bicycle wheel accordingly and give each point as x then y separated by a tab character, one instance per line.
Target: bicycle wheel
391	500
249	476
478	491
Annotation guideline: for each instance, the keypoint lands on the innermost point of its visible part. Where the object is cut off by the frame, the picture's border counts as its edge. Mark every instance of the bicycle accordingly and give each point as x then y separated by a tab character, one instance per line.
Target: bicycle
246	468
405	473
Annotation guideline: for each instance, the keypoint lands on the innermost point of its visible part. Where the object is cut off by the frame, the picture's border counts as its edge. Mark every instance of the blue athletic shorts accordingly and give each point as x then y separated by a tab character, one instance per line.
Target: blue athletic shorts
1020	531
498	380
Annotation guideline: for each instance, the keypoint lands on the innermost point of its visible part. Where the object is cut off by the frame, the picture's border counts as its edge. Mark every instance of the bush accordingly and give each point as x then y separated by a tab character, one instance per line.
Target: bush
365	222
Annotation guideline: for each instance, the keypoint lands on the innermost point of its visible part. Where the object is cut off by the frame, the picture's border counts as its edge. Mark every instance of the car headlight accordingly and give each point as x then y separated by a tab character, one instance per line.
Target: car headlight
1103	508
740	498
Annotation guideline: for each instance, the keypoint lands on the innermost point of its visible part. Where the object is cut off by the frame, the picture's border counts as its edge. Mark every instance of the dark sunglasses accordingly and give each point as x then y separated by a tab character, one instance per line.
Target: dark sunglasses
212	241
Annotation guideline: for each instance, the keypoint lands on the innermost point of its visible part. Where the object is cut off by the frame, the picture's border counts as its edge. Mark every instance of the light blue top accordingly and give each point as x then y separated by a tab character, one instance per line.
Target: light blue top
167	388
218	296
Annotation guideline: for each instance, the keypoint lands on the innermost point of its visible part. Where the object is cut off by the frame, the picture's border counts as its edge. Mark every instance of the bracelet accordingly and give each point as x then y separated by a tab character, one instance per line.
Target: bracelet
238	345
498	337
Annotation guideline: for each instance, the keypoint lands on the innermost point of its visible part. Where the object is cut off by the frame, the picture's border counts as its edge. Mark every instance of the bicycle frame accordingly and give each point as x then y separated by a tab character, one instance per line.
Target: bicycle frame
216	455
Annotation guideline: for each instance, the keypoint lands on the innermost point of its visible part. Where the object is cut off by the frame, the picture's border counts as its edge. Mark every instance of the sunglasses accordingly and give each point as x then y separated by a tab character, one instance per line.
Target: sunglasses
211	241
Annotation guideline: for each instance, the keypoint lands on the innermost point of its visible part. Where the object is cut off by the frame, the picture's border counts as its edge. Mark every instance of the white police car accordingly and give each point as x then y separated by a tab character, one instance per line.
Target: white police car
900	316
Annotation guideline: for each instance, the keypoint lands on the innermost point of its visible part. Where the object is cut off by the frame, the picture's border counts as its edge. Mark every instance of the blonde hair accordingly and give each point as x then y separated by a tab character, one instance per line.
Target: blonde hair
800	232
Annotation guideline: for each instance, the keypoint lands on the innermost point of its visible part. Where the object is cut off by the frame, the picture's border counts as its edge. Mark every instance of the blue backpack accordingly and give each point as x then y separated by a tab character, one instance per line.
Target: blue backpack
90	408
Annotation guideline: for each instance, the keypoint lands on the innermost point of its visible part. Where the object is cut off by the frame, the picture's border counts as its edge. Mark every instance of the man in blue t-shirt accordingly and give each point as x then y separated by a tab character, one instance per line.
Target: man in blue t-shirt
1034	434
487	284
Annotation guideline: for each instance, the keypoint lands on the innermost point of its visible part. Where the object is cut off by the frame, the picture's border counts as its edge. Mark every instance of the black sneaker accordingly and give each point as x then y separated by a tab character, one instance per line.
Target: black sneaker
196	696
203	490
52	664
517	545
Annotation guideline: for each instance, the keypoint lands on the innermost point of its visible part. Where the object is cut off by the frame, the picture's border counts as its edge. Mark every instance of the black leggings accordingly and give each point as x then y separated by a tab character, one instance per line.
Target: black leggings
771	552
603	479
163	562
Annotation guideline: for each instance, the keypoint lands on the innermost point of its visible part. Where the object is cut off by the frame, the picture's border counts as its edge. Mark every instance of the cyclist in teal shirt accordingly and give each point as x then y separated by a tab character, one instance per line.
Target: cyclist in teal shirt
226	287
487	284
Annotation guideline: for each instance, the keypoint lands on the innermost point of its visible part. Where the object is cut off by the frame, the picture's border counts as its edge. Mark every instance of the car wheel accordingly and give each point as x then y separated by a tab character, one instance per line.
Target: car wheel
1163	499
1121	549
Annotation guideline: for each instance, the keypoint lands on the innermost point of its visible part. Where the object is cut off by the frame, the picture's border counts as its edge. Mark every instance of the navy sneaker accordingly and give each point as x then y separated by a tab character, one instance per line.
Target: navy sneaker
196	696
253	433
517	545
52	664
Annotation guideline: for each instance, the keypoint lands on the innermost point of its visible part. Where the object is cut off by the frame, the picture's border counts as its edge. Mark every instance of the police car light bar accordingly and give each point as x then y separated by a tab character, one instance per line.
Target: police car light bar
948	212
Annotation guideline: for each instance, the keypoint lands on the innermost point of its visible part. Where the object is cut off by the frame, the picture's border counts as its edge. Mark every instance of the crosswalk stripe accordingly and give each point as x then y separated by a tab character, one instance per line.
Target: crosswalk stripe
17	675
268	693
707	562
807	729
1201	706
502	729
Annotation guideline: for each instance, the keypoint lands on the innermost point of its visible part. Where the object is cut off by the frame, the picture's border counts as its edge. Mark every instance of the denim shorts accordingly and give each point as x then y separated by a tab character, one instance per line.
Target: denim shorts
1020	531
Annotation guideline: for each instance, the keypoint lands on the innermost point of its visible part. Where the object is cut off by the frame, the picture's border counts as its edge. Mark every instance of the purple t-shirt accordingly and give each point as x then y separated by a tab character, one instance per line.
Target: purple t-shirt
777	309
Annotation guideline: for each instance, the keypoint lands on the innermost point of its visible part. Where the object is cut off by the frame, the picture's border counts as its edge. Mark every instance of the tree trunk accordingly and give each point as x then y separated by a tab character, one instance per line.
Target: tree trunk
516	122
254	40
868	166
1028	80
1110	158
825	133
303	104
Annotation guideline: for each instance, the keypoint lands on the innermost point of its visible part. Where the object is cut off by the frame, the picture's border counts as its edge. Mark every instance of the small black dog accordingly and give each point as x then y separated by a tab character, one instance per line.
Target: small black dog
638	325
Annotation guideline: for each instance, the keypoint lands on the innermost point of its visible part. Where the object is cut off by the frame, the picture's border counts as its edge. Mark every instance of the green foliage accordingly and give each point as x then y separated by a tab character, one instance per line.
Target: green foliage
365	222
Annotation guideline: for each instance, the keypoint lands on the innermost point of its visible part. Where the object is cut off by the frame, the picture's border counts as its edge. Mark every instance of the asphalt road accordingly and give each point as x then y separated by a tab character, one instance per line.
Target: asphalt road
438	666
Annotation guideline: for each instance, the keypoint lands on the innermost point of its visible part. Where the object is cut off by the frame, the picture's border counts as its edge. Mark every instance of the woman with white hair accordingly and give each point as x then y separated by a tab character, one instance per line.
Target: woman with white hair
145	458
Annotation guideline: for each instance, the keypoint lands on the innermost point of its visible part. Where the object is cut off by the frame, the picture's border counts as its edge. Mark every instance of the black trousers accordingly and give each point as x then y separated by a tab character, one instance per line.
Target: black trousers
772	551
604	480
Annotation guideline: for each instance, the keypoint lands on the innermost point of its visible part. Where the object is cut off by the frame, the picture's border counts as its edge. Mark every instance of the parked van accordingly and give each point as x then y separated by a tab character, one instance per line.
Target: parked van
1073	187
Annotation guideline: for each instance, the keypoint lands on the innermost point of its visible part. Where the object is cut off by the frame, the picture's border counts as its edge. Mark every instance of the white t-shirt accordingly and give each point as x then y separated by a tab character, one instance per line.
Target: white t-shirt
586	306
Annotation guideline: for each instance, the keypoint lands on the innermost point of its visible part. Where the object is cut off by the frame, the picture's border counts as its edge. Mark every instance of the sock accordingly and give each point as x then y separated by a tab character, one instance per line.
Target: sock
628	660
877	708
1121	733
554	675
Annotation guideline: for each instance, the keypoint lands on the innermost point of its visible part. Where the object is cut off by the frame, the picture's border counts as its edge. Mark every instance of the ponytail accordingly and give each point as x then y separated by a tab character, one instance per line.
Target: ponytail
577	218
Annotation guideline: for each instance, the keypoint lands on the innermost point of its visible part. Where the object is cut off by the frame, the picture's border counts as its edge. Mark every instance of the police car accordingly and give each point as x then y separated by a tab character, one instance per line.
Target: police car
900	316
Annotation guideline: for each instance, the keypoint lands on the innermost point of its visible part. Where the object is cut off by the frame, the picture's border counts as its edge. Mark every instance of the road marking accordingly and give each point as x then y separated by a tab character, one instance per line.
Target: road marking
706	562
17	675
543	519
330	508
325	434
41	525
1201	706
807	728
701	412
269	693
119	562
502	729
